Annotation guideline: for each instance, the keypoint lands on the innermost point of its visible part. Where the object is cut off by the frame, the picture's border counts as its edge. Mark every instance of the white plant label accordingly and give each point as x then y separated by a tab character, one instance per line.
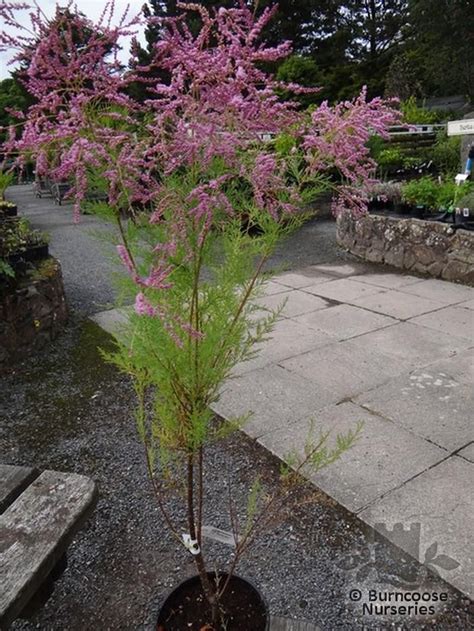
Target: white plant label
459	128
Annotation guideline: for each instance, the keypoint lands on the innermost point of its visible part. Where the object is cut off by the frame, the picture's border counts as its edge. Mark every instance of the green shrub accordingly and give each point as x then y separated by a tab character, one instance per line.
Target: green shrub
429	193
446	153
16	236
416	115
5	180
467	200
422	192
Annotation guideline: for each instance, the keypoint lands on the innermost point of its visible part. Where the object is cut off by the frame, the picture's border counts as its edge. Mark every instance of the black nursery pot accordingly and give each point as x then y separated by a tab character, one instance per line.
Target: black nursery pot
187	608
418	212
8	211
403	208
32	253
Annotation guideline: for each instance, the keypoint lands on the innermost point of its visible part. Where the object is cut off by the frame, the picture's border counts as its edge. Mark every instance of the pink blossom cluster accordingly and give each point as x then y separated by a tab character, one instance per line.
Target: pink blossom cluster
215	105
338	137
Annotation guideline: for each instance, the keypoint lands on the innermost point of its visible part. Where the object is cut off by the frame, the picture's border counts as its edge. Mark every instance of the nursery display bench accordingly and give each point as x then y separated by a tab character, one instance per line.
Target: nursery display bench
39	515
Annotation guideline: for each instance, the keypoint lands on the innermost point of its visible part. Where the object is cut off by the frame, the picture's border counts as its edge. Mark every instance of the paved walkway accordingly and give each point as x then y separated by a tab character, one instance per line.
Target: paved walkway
393	351
396	352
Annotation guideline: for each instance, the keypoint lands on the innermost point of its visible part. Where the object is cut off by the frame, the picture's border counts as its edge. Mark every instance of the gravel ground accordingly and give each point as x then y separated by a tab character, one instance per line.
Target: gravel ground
65	409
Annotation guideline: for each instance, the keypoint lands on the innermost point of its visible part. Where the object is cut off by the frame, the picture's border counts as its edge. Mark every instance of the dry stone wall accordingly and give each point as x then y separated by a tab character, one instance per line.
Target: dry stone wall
428	247
31	315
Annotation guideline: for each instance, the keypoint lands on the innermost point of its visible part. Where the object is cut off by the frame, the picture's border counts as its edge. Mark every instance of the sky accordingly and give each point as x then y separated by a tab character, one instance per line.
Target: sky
91	8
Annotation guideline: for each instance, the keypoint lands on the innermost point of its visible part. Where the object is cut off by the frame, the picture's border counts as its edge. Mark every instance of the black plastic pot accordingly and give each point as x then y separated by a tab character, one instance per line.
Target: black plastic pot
33	253
418	212
8	211
186	606
402	208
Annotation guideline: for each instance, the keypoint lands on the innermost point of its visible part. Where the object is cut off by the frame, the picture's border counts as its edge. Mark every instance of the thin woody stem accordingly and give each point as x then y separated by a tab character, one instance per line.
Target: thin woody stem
209	592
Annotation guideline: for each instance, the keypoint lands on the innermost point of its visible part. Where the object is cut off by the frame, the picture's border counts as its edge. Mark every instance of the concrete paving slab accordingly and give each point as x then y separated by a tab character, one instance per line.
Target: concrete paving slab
388	281
271	287
302	278
113	320
441	291
345	321
343	290
286	624
467	305
297	302
467	453
458	322
441	501
383	458
276	397
288	338
345	369
397	304
459	367
428	403
414	344
343	269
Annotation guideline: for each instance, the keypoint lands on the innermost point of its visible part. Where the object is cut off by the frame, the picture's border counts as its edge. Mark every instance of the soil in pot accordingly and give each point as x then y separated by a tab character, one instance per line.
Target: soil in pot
187	608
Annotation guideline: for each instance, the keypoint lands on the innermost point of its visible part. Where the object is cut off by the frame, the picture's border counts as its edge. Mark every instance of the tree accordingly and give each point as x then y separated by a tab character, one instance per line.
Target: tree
303	71
13	98
443	35
377	32
198	155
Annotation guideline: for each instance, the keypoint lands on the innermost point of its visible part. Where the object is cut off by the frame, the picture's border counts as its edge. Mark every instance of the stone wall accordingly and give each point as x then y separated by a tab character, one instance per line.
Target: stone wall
417	245
32	314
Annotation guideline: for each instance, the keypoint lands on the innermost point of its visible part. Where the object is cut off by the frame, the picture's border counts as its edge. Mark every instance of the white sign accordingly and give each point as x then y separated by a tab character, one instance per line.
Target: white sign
459	128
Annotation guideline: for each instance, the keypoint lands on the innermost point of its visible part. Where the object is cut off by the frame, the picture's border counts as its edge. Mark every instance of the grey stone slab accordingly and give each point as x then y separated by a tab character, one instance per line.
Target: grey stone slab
345	321
297	302
112	320
13	481
343	290
453	320
467	305
397	304
342	269
412	343
459	367
275	396
288	338
428	403
35	532
271	287
345	369
467	453
285	624
441	291
384	457
388	281
303	278
441	501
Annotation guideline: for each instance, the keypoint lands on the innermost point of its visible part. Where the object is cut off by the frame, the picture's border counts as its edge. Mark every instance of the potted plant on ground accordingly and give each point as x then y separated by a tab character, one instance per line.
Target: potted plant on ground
7	209
421	195
19	243
197	154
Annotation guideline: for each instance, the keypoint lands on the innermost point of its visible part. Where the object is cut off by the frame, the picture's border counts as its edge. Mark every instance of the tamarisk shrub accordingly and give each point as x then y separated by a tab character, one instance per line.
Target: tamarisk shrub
195	155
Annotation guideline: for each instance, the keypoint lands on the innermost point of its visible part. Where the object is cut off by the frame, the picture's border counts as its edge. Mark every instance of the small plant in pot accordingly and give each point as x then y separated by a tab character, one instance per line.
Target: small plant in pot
6	178
385	196
198	157
421	195
20	244
7	209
